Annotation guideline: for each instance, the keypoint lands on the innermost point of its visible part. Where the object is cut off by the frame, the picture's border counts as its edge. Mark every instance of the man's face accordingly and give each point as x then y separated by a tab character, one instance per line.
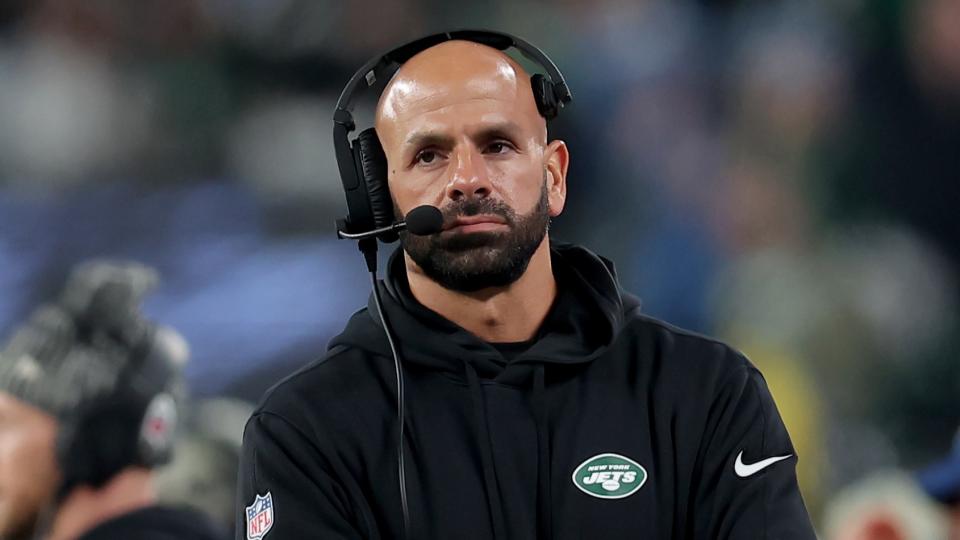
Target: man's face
28	470
461	132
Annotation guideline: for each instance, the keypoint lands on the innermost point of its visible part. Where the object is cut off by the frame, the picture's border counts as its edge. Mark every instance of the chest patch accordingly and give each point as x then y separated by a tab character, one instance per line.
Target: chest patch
609	476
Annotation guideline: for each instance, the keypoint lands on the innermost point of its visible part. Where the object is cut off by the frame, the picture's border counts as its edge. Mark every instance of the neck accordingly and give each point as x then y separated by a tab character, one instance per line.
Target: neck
498	314
85	507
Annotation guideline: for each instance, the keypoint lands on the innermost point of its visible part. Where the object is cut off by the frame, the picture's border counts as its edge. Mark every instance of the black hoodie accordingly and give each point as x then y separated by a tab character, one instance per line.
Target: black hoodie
612	425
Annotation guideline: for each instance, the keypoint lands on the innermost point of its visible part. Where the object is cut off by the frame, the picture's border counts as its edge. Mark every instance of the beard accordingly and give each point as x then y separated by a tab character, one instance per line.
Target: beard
469	262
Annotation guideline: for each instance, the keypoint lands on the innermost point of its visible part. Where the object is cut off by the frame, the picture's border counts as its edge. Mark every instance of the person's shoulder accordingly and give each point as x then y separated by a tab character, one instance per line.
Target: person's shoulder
693	354
341	374
676	338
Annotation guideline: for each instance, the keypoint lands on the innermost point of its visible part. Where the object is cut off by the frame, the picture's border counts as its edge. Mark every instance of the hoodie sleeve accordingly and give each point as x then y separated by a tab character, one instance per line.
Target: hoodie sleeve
284	492
747	480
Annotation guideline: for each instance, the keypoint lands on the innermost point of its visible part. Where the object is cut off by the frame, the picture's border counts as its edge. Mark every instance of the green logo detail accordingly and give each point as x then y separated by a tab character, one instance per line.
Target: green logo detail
609	476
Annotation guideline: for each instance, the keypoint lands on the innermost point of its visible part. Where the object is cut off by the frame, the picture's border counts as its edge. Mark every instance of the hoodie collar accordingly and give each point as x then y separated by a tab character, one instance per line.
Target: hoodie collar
583	322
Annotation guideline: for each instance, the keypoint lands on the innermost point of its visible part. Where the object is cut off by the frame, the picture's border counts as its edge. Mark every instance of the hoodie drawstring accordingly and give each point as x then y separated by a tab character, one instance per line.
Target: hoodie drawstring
486	455
541	415
541	419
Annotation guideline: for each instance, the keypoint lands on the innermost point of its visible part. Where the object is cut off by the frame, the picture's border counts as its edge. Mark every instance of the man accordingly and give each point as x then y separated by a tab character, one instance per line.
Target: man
87	410
540	403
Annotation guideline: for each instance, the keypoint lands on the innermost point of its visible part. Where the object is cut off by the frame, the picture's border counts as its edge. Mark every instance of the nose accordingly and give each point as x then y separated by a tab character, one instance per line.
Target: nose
470	178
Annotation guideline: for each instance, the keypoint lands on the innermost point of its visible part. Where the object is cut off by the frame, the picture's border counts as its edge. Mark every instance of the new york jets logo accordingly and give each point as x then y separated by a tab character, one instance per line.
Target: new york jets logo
609	476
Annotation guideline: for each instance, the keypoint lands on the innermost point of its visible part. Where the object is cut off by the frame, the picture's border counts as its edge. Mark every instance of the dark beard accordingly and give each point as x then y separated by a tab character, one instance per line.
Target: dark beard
469	262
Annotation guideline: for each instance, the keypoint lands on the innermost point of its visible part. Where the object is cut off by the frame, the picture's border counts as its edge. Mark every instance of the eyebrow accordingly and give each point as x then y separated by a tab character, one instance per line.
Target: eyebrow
428	138
422	139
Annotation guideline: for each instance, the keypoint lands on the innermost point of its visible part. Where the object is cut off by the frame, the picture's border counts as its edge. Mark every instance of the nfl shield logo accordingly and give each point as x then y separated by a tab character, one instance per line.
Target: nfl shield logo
260	517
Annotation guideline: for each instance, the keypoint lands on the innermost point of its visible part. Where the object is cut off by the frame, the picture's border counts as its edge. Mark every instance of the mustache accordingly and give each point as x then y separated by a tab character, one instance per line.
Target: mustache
474	207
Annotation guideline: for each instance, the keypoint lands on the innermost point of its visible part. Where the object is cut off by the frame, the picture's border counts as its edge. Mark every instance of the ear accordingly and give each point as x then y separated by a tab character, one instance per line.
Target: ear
557	160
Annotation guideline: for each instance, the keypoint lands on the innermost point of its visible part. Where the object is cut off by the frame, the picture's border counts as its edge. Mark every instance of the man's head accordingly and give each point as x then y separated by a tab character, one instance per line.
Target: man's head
69	414
461	131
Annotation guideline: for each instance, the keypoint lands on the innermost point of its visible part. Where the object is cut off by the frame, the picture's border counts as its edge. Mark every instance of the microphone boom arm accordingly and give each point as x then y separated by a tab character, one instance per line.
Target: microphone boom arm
343	235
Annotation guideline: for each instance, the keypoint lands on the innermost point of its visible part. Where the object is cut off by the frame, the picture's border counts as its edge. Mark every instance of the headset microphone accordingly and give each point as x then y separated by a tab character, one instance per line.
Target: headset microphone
424	220
421	221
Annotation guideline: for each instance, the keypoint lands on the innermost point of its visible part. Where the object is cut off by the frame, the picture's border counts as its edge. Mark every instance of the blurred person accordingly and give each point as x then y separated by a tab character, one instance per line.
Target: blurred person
886	505
941	481
88	408
905	123
540	402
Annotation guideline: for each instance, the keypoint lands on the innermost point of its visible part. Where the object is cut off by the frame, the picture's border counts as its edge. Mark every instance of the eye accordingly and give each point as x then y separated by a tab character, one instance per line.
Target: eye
498	147
426	157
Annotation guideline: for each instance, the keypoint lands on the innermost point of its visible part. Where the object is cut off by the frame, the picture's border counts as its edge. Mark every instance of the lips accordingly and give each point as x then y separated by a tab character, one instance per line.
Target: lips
476	222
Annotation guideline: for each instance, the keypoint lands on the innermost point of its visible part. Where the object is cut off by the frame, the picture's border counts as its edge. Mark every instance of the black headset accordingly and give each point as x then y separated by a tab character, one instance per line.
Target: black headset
362	163
133	423
363	168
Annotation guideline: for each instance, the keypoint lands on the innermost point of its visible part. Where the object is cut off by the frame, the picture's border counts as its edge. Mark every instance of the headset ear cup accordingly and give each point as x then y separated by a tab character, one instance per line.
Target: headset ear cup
157	431
373	171
545	96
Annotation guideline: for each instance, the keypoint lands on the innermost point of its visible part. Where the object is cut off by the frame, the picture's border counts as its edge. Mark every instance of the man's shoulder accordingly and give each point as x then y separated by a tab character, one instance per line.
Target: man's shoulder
695	355
343	373
648	327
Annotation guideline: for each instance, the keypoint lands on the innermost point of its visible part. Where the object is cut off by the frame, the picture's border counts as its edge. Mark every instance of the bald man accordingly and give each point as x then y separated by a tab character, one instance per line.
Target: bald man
540	402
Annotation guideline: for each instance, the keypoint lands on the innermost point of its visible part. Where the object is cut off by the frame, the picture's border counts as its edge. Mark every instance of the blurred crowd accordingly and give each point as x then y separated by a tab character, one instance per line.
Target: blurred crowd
782	175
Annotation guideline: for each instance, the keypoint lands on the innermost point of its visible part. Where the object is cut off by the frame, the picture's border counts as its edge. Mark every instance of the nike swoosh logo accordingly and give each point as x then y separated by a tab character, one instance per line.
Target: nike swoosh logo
744	470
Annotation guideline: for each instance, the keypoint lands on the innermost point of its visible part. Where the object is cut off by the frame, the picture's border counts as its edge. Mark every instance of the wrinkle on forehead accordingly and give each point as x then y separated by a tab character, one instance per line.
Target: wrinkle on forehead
451	73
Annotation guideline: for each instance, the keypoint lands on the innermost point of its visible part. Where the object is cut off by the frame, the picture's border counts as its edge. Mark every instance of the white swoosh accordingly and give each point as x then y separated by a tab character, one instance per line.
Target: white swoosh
744	470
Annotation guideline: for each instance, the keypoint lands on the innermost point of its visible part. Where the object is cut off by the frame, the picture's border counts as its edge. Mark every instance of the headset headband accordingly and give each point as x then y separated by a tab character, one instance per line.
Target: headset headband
384	66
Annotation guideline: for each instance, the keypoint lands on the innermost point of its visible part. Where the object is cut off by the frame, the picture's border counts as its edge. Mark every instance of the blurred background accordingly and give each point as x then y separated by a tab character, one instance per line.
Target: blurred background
782	175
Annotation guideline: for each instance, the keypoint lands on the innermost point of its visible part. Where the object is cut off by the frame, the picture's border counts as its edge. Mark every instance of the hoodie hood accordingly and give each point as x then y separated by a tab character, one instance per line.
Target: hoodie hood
584	320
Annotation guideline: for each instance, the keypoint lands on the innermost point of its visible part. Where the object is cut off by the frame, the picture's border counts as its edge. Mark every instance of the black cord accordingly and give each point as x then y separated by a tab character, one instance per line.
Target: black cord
400	415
